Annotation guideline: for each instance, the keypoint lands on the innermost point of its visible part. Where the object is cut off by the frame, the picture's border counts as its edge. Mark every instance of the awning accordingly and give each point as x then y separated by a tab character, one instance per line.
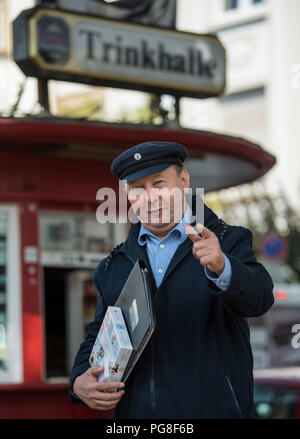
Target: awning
216	161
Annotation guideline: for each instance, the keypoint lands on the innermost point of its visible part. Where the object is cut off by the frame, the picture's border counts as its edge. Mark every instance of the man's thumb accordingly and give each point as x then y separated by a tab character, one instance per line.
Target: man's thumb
96	370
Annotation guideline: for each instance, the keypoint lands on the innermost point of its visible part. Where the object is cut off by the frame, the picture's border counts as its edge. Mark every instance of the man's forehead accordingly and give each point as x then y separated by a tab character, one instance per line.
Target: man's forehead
163	173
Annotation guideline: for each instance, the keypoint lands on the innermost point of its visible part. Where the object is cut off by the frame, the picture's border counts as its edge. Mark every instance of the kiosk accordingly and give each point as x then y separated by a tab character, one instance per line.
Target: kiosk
51	241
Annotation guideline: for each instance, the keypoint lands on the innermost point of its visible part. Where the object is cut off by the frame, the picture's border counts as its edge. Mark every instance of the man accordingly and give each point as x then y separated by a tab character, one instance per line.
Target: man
198	363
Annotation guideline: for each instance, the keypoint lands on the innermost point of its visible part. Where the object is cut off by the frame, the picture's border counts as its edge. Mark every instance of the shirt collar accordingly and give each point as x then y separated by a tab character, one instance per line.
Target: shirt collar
177	230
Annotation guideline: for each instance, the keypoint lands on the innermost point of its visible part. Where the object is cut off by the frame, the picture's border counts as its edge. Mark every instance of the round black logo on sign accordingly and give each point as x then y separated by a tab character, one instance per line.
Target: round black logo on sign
53	40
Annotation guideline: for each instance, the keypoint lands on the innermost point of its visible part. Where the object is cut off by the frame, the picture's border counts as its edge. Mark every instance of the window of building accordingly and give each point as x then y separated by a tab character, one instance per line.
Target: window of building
10	312
225	14
231	4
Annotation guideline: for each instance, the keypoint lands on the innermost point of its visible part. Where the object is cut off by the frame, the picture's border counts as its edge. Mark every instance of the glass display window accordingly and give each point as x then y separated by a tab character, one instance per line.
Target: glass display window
10	303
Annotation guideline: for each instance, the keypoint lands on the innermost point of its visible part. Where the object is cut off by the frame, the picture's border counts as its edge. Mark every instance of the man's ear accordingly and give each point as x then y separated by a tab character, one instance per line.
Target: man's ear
185	179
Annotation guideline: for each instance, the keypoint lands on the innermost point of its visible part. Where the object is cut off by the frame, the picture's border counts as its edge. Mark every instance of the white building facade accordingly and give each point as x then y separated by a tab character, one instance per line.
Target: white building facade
262	98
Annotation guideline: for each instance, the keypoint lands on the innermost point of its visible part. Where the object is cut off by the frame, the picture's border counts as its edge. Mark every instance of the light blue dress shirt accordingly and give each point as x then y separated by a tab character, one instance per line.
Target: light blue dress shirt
161	251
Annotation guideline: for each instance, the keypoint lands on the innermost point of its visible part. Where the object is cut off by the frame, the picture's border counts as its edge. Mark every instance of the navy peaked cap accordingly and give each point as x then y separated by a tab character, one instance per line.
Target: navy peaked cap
147	158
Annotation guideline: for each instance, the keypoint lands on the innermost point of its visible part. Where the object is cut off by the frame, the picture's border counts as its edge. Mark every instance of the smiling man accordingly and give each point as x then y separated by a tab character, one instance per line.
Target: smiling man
199	361
159	199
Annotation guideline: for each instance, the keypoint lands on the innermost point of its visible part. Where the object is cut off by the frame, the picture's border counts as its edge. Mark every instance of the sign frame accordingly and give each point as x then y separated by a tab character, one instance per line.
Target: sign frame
28	58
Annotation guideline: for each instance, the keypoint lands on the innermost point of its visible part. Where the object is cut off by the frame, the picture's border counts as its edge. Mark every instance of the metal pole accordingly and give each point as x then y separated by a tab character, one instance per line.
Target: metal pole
43	95
177	110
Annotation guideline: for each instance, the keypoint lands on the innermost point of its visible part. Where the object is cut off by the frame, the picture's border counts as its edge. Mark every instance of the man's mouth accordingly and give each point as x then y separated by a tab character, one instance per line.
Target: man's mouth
155	211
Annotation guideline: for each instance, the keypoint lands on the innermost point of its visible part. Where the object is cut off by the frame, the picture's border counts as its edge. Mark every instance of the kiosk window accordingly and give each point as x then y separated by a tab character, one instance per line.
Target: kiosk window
72	245
74	232
10	303
3	292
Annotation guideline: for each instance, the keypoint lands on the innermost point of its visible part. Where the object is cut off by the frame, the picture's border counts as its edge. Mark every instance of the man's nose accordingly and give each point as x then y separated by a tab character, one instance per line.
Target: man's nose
152	194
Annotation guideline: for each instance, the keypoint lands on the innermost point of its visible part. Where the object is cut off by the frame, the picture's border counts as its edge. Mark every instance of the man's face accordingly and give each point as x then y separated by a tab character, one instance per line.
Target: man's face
158	199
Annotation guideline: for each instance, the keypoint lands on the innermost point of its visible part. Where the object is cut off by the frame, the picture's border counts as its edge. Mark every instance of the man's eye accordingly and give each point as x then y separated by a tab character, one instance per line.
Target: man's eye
136	190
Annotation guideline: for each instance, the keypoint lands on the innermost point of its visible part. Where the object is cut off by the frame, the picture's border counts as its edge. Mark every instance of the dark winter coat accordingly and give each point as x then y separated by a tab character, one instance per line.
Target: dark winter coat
199	361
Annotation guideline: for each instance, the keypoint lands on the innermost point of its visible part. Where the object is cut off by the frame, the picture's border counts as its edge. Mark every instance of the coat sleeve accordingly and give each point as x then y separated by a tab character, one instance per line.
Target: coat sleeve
81	362
250	292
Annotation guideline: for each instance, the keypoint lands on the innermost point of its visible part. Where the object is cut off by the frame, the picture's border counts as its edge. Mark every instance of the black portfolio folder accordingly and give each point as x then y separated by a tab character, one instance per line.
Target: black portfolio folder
136	302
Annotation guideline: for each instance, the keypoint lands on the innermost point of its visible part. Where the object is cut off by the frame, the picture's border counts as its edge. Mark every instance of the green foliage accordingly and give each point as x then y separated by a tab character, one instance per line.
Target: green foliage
85	111
154	112
15	106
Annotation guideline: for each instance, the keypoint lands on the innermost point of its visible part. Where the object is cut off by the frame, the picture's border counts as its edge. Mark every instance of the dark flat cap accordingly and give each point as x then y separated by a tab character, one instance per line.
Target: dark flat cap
147	158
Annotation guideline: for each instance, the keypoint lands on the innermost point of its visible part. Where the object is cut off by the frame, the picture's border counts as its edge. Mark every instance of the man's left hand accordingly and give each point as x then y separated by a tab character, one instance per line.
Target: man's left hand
206	248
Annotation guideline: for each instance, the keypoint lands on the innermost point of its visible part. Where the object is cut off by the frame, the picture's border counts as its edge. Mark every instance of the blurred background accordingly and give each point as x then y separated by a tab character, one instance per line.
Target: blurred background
64	116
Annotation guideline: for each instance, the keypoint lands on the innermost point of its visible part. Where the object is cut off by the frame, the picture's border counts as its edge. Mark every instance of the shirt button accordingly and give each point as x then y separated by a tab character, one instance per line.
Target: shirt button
222	283
160	270
162	245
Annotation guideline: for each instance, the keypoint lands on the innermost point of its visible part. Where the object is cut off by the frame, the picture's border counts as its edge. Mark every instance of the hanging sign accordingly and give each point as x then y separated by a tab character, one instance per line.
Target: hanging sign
70	46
